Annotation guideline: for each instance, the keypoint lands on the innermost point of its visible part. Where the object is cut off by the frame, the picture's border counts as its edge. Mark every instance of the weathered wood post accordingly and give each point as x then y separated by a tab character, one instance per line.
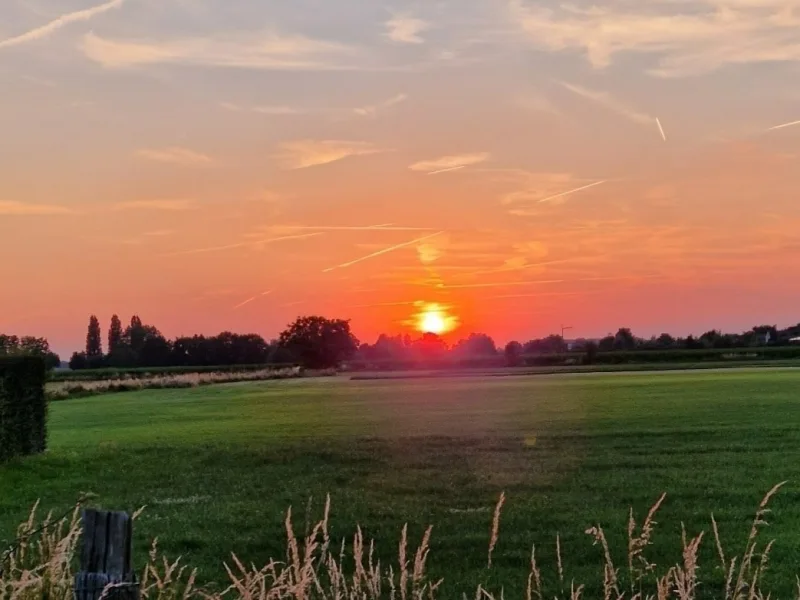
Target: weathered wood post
105	567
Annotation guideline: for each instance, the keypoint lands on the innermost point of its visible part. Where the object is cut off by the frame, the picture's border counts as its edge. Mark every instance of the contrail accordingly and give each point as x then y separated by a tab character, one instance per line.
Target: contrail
381	252
562	194
792	124
661	129
243	244
246	302
447	170
56	24
249	300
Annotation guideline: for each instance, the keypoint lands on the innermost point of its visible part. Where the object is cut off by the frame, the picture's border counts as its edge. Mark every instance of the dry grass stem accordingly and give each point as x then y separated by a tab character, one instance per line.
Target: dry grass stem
40	566
495	527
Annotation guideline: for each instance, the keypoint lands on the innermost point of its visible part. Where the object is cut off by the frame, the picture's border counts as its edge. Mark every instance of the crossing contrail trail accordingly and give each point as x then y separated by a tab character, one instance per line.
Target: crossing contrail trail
382	252
661	129
562	194
791	124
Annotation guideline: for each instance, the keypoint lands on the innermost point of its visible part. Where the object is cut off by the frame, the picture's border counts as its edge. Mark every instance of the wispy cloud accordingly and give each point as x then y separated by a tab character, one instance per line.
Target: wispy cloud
269	51
386	227
164	205
56	24
14	208
535	189
607	101
175	155
405	29
373	110
681	38
449	163
302	154
275	111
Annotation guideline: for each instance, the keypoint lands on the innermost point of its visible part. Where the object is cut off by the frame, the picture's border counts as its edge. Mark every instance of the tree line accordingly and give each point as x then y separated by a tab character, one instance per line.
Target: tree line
317	342
314	342
11	345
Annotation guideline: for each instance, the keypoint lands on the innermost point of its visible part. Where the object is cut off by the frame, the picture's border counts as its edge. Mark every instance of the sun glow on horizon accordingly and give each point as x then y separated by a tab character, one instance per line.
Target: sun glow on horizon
434	318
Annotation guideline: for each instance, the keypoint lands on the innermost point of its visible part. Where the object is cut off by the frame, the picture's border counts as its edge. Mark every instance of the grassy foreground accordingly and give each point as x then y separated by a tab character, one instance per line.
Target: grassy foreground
218	466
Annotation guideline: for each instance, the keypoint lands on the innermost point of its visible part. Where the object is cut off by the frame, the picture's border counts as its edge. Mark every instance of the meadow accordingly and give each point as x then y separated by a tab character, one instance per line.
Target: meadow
217	467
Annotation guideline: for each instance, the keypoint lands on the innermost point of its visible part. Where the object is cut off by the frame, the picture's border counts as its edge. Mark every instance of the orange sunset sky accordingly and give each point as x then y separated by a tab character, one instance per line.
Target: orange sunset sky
224	164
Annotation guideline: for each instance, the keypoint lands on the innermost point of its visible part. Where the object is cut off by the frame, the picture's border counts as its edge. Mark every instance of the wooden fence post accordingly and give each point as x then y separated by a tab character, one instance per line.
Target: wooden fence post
105	567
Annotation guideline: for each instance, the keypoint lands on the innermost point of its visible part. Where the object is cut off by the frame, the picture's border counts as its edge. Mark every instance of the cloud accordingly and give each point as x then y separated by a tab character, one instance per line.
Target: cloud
62	21
606	100
373	110
165	205
681	37
405	29
449	163
268	51
9	207
302	154
175	155
432	250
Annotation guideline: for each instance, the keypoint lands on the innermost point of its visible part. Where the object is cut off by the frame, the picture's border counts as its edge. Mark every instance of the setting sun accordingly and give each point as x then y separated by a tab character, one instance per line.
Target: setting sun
434	318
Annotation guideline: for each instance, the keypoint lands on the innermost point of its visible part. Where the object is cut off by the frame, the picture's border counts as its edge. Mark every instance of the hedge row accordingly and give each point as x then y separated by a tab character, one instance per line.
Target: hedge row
667	356
145	372
23	407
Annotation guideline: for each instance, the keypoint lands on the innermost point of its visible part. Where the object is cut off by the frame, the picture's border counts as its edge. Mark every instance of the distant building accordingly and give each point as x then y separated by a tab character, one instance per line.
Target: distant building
794	340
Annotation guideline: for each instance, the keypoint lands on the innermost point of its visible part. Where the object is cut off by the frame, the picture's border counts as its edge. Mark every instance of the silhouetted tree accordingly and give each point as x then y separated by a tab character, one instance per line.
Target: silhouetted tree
513	354
590	354
665	341
78	361
114	334
429	348
477	344
94	342
318	343
624	340
606	344
552	344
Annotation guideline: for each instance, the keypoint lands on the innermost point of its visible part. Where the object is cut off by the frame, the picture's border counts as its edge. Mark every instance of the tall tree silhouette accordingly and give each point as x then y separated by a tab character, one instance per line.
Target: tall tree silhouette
94	342
136	334
114	334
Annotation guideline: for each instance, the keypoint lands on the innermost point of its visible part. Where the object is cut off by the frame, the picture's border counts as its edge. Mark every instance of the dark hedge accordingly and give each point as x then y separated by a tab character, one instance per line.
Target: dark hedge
23	407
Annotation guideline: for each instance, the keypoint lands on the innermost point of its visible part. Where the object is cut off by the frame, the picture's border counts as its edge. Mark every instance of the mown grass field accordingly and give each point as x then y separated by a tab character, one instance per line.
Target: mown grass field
218	466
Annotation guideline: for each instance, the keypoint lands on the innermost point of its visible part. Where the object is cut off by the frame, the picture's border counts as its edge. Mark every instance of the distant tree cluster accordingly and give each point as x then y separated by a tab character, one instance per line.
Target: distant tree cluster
427	348
11	345
314	342
317	342
478	348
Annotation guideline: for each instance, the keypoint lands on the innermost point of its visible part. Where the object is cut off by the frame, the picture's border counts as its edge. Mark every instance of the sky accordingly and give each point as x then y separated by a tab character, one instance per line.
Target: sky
214	165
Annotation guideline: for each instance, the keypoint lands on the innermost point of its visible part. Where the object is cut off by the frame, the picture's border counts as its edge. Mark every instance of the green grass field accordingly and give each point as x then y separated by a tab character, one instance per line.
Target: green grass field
218	466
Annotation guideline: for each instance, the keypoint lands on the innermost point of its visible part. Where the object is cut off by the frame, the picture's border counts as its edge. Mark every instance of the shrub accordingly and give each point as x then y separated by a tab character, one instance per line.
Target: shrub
23	407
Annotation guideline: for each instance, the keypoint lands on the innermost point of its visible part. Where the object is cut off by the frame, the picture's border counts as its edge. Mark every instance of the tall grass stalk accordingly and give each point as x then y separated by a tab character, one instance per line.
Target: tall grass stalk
40	566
